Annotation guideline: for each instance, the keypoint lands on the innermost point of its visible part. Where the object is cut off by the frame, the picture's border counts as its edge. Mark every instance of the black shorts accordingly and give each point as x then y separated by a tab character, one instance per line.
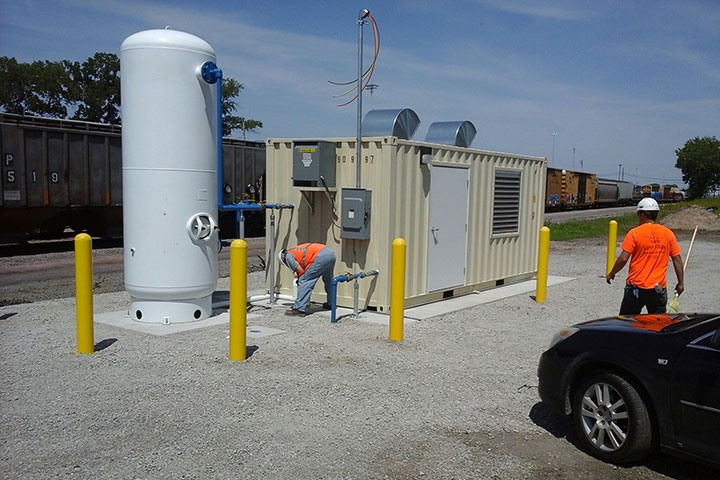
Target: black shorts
636	298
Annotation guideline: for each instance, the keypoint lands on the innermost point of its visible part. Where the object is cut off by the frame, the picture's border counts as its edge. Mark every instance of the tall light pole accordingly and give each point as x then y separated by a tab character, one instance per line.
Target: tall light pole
554	134
619	170
573	158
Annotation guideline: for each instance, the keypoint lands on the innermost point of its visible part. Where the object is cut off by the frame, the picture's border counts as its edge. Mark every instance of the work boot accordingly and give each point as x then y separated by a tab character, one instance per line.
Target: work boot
294	313
326	306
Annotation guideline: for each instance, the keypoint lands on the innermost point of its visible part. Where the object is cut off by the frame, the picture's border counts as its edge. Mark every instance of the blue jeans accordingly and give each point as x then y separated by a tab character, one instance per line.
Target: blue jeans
323	266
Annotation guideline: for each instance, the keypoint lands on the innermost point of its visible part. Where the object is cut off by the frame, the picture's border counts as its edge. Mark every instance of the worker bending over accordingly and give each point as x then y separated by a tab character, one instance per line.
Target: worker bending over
309	262
648	247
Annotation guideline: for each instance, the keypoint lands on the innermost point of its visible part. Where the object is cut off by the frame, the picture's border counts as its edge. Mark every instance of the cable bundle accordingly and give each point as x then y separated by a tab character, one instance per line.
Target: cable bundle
367	75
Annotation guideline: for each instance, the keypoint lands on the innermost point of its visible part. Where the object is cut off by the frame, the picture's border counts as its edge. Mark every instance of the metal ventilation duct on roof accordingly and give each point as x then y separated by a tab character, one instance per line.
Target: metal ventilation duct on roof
460	134
400	123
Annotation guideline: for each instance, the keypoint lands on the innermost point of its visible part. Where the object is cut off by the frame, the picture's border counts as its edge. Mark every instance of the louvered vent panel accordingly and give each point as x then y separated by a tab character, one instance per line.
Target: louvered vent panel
506	202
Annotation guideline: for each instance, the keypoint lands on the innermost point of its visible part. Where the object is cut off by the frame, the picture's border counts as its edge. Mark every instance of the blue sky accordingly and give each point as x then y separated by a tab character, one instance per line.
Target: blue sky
621	82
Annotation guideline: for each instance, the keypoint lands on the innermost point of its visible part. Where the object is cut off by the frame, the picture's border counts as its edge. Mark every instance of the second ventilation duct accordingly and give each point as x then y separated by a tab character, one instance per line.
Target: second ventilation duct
459	133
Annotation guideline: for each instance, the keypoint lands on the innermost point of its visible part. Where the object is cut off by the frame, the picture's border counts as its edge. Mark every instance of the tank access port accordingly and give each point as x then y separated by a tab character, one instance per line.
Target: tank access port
201	227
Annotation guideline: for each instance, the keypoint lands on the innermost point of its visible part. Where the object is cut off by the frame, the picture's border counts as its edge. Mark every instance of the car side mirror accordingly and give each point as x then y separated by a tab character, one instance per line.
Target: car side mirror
715	339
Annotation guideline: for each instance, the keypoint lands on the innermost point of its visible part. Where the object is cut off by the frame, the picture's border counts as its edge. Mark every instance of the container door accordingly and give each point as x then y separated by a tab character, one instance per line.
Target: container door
447	238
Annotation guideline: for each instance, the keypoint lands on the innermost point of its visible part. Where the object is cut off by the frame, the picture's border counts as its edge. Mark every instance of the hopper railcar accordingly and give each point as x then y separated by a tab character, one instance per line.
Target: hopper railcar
614	192
59	174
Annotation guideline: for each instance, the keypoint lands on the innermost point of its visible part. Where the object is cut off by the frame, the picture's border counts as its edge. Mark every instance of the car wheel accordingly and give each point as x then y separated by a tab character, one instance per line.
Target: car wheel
611	419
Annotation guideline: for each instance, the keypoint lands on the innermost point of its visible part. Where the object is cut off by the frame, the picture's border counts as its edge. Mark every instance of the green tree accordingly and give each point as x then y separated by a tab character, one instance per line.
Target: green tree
231	89
91	90
699	161
37	88
94	88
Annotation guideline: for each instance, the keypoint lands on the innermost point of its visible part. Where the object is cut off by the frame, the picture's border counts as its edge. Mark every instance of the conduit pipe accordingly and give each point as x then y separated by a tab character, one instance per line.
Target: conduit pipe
255	298
346	277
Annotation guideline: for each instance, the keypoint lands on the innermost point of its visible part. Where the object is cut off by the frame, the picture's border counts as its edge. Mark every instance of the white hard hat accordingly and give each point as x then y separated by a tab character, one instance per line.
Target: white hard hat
281	257
647	205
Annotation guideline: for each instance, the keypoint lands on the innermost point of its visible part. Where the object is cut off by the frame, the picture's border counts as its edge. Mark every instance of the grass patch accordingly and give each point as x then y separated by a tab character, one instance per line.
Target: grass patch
598	227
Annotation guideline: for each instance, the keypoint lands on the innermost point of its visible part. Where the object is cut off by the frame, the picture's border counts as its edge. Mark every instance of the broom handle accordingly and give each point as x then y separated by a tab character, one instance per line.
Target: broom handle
690	248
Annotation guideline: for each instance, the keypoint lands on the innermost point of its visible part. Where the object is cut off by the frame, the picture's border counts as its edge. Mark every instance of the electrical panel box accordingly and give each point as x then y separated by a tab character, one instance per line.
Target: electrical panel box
355	222
313	164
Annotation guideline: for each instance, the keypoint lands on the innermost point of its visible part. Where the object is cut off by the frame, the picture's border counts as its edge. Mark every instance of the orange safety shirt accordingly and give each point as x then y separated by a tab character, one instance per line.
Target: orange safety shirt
305	254
649	245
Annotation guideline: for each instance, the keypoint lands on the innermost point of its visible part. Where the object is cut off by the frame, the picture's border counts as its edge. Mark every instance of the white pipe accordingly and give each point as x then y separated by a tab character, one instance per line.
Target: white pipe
266	296
271	260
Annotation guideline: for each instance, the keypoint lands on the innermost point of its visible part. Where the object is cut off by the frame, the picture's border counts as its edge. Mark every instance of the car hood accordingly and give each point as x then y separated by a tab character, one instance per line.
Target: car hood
647	323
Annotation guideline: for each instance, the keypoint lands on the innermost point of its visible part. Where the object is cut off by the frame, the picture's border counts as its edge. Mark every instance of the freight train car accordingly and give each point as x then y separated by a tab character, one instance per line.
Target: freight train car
569	189
59	174
614	192
671	193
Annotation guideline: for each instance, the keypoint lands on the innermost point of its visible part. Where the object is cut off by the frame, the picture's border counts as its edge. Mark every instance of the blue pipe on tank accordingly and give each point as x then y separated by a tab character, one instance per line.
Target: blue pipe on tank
211	73
344	277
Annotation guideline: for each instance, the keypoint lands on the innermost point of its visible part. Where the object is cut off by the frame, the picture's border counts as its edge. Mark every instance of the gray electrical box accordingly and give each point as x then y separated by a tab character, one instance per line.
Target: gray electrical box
313	164
355	220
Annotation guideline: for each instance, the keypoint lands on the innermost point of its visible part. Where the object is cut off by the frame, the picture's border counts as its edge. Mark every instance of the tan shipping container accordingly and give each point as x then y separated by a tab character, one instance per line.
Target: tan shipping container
497	217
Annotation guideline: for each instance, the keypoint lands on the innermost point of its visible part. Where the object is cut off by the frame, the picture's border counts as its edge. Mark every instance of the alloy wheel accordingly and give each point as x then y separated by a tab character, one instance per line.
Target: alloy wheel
604	417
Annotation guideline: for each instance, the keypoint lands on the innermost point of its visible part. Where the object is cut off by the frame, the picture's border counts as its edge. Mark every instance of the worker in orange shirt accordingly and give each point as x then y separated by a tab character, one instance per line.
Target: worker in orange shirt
648	247
309	262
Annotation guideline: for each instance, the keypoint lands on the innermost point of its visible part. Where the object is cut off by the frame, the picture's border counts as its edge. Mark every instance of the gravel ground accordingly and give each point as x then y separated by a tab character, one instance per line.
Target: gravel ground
456	399
35	275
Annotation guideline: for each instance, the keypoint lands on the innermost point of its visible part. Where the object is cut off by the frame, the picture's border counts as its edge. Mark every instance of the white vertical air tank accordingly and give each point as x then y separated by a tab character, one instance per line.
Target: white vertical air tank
169	148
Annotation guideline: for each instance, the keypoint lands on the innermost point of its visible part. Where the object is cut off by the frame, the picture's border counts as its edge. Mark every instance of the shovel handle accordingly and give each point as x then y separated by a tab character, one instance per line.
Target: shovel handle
692	241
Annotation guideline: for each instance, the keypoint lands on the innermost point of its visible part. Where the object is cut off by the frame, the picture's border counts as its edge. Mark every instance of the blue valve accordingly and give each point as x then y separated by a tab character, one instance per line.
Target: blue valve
210	72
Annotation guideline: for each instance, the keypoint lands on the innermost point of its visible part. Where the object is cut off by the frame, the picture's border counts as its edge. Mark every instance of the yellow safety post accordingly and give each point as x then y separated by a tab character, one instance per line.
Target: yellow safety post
83	293
397	290
542	271
612	245
238	299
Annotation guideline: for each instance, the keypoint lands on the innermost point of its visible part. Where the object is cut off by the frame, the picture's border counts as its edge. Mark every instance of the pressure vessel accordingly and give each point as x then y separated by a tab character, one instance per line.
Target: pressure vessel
169	138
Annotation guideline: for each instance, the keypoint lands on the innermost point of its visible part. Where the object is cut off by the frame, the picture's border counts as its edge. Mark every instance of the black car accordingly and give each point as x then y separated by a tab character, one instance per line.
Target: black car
632	383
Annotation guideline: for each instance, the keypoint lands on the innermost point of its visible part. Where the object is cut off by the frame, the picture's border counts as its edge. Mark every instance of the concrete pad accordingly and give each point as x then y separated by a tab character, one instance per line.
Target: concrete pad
444	307
122	319
345	314
424	312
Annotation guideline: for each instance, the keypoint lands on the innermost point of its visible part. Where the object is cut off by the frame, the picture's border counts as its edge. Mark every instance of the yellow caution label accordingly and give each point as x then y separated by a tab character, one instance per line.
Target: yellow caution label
307	150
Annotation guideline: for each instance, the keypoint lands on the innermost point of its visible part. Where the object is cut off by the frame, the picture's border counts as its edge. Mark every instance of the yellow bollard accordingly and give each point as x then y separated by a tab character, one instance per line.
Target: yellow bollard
542	271
397	290
83	293
238	299
612	245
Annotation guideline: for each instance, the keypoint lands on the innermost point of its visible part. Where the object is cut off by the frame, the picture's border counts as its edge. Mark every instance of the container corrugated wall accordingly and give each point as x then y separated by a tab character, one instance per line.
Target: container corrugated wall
401	191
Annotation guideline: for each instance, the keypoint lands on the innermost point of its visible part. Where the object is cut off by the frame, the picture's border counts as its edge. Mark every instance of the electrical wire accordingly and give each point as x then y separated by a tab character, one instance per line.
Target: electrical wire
376	37
367	76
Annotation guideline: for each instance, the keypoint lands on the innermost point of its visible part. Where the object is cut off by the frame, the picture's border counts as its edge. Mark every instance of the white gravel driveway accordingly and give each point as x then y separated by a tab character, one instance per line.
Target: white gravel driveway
456	399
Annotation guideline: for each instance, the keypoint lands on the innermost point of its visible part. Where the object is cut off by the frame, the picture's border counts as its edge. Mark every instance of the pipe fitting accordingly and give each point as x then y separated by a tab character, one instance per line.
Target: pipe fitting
210	72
